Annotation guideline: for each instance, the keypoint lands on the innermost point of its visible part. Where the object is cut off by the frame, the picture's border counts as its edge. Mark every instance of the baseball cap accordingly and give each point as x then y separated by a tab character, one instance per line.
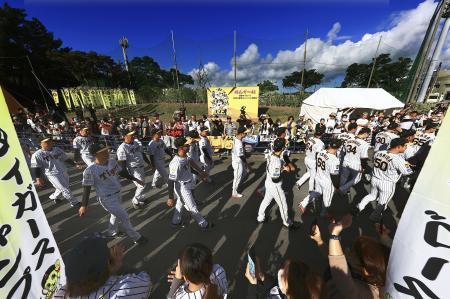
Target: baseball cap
87	260
241	130
131	133
44	139
84	129
95	148
280	131
193	134
204	128
407	133
279	144
180	141
364	131
397	142
430	125
335	143
392	126
352	126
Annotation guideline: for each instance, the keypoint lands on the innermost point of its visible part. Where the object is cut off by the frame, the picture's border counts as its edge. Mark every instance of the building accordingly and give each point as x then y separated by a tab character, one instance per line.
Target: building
441	88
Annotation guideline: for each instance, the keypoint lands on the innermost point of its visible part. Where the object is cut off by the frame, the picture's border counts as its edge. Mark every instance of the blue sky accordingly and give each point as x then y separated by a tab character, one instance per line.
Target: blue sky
204	31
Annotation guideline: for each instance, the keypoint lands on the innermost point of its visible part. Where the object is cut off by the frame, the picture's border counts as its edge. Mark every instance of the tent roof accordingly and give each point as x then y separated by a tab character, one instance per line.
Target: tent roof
339	98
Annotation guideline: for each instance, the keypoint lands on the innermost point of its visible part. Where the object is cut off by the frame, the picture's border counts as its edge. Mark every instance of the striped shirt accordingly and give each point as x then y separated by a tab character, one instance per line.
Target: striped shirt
424	138
205	145
313	146
326	165
383	140
131	153
128	286
217	277
389	167
355	150
51	161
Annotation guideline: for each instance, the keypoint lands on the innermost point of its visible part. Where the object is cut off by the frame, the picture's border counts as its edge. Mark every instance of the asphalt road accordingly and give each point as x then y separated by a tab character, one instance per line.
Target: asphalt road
235	225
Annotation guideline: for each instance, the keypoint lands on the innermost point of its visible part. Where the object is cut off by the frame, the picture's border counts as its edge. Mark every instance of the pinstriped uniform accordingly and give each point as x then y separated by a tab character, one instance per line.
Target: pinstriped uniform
344	137
355	150
180	173
383	140
238	165
194	154
82	143
107	186
217	277
313	146
132	155
207	164
274	190
387	170
156	148
52	162
327	165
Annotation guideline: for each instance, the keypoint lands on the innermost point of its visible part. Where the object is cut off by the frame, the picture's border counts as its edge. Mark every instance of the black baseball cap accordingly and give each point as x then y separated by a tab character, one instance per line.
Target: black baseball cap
44	139
407	133
279	144
364	131
280	131
95	148
241	130
392	126
397	142
180	142
335	143
87	260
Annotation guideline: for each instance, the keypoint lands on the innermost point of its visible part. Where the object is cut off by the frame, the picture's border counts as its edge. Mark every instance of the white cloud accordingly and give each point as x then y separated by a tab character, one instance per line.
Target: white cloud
402	38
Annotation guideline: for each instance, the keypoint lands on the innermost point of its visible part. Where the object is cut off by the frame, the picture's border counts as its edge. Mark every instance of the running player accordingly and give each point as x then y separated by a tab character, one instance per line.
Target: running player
239	161
180	181
131	157
275	167
194	152
313	146
81	145
157	151
383	139
389	166
206	152
50	159
104	176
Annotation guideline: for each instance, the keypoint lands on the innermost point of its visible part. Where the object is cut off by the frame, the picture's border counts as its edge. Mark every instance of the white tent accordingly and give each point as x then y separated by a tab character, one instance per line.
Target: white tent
327	100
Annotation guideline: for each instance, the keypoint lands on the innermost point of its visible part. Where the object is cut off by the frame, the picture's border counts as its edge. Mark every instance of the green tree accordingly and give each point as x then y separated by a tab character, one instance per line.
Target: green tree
311	78
267	86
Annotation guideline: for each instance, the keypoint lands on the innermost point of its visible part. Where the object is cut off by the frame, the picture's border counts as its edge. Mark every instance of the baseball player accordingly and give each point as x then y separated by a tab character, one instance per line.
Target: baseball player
326	178
350	134
81	145
104	175
180	185
194	152
157	151
427	136
411	147
206	152
383	139
388	167
51	160
238	161
356	159
275	166
313	146
131	157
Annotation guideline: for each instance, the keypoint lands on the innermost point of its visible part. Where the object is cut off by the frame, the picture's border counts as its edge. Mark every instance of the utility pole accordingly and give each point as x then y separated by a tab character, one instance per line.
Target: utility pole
374	62
304	63
176	68
235	60
38	83
436	54
123	42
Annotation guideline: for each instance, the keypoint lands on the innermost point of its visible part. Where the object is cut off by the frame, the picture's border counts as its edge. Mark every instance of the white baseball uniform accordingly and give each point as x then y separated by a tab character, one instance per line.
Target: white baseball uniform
194	154
239	170
423	138
326	165
157	149
355	150
313	146
180	173
134	161
274	190
205	145
82	143
383	140
52	162
387	170
107	186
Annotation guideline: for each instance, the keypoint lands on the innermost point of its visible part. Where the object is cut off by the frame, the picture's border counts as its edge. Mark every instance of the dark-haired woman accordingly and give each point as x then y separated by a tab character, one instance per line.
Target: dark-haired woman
196	276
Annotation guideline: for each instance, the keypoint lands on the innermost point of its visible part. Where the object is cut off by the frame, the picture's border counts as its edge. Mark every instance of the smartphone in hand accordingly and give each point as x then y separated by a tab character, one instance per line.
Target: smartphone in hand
252	261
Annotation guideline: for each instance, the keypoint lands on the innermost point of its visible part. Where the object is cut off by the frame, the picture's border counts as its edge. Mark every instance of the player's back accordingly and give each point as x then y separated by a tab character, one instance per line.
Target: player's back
156	149
383	139
237	151
424	138
52	161
313	146
274	166
389	167
355	150
179	169
326	164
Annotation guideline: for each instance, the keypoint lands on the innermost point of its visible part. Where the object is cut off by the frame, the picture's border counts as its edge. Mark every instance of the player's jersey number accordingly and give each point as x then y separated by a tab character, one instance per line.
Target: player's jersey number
380	164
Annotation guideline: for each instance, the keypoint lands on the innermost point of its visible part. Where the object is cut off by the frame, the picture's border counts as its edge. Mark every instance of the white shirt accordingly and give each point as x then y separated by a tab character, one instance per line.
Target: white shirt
103	177
128	286
180	169
157	149
383	139
355	150
326	165
205	145
82	143
51	161
238	151
423	138
313	146
389	167
131	154
274	168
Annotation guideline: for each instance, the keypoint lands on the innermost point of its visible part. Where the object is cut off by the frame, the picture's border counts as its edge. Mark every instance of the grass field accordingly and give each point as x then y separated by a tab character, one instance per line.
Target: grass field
166	111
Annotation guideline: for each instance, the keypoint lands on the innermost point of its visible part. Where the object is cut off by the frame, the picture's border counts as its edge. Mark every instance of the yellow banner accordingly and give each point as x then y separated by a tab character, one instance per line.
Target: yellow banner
55	96
233	101
30	262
